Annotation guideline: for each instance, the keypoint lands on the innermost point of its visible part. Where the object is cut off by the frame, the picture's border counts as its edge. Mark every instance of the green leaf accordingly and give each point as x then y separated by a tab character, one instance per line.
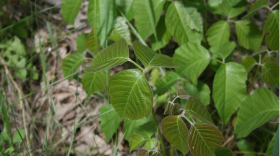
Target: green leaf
143	152
245	146
181	93
204	139
201	91
95	82
5	117
146	15
176	132
109	57
18	136
270	73
177	22
269	150
9	150
229	10
5	138
126	7
135	141
109	121
248	34
215	2
163	35
225	50
92	42
70	9
163	84
271	31
229	89
276	144
223	151
256	6
248	62
71	63
218	35
147	130
192	59
131	94
129	125
101	17
176	109
151	143
195	108
198	4
150	58
120	31
194	19
81	43
155	74
256	110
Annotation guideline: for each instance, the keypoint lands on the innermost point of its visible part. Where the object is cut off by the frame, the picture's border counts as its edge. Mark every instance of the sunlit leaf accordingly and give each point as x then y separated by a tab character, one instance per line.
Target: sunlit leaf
150	58
256	110
256	6
146	15
19	136
204	139
70	9
146	130
192	59
109	121
135	141
248	34
181	93
111	56
218	35
151	143
271	31
81	43
126	7
120	30
129	125
163	84
270	73
163	35
195	19
229	10
223	151
71	63
176	132
131	94
195	108
95	82
245	146
92	42
248	62
101	16
225	50
229	89
177	22
201	91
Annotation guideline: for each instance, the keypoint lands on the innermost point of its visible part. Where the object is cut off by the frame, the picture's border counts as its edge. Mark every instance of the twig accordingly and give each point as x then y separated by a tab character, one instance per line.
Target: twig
228	140
21	103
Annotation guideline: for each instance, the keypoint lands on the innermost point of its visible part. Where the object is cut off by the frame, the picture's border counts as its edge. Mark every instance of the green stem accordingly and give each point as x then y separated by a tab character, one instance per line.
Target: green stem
159	133
217	60
274	6
172	151
136	64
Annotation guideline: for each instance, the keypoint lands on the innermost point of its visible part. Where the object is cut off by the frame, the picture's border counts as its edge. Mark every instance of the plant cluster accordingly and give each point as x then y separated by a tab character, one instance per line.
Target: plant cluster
200	46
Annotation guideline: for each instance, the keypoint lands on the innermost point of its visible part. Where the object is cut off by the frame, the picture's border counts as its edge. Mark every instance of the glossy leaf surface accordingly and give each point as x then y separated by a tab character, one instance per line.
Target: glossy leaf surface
177	22
151	143
204	139
150	58
135	141
71	63
120	31
192	59
70	9
229	89
109	121
176	132
225	50
218	35
271	30
256	110
131	94
248	34
109	57
95	82
195	108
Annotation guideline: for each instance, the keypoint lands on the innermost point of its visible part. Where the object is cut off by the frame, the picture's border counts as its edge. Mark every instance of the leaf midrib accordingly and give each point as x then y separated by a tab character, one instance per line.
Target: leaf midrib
203	140
78	62
193	64
72	12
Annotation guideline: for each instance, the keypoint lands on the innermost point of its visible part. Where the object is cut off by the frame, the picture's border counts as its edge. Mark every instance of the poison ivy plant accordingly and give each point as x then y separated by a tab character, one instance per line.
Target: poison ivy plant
70	9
